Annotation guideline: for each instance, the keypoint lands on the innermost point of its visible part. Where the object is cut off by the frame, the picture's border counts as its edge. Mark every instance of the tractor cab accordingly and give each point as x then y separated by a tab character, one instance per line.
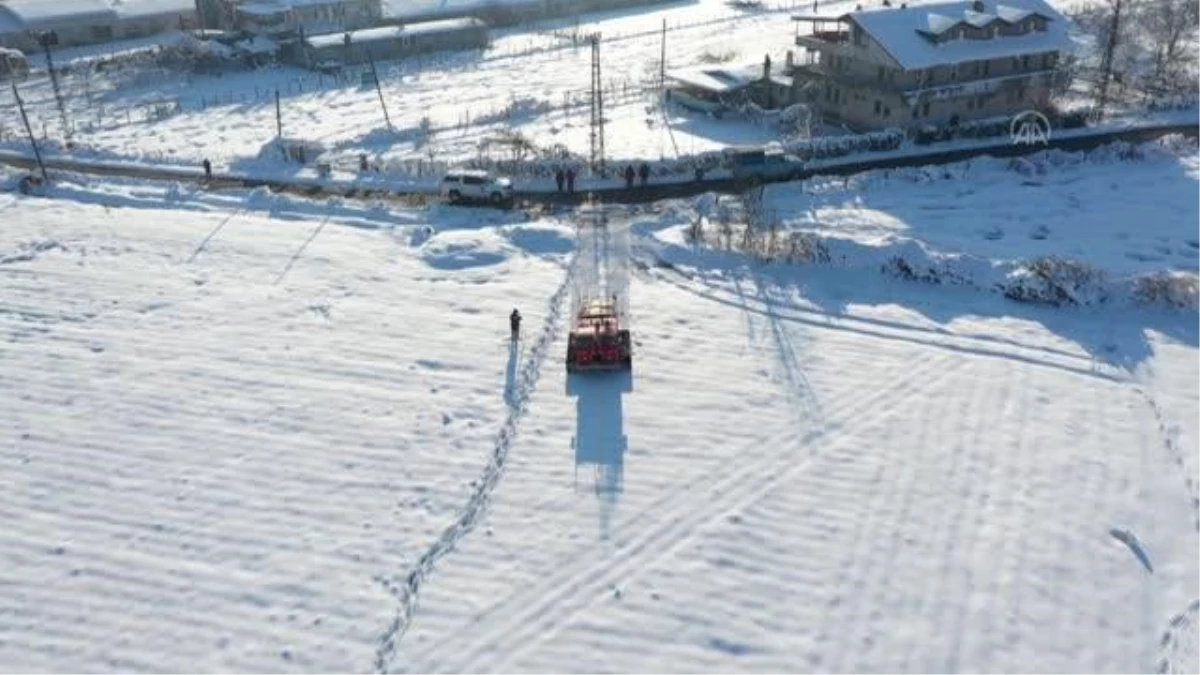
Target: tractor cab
597	340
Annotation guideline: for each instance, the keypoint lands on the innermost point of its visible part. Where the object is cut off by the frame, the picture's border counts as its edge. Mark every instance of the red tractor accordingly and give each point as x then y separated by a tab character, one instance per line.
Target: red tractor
597	340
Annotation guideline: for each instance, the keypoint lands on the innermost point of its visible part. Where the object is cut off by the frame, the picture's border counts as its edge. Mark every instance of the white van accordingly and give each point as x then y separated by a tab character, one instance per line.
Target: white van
476	185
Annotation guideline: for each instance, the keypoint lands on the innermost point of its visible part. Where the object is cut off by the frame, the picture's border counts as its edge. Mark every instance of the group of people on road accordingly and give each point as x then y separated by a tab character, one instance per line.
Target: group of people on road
566	177
643	172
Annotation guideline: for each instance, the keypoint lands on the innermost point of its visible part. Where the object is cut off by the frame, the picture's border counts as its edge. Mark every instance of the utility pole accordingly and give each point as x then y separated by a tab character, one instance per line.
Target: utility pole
662	62
278	117
378	89
597	132
48	38
28	129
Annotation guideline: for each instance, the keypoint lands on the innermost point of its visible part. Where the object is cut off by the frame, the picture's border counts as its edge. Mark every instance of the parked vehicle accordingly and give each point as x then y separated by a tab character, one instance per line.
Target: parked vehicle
476	185
760	163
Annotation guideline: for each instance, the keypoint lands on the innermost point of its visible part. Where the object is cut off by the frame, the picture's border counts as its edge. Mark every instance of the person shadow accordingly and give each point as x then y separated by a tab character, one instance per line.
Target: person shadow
600	442
512	395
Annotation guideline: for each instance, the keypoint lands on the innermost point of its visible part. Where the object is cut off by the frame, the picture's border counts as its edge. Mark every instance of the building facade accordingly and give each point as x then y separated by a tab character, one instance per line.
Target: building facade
276	18
931	64
69	23
393	42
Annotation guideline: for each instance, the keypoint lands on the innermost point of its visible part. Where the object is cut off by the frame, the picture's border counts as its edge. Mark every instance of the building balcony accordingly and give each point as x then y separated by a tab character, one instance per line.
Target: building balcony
823	39
1050	78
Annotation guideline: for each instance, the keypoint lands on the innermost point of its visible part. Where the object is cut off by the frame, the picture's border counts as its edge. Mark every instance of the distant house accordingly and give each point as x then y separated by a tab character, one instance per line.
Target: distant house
932	63
140	18
83	22
292	17
391	42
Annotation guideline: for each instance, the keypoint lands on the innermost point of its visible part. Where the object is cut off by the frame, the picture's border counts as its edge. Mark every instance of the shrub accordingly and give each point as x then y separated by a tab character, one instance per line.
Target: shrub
1056	281
806	247
1170	289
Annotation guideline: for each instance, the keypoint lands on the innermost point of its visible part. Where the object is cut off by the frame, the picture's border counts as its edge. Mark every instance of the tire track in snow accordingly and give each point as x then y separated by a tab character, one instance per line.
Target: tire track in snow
406	592
654	266
526	619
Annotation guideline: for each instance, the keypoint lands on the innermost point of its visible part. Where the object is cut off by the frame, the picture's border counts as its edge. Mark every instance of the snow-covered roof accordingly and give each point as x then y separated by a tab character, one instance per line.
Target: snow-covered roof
902	31
262	9
394	32
9	22
409	9
258	45
129	9
721	80
712	78
50	14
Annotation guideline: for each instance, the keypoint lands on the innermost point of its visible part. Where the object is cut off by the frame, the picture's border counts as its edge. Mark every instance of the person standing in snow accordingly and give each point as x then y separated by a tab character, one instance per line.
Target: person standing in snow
514	322
559	178
207	169
571	179
644	173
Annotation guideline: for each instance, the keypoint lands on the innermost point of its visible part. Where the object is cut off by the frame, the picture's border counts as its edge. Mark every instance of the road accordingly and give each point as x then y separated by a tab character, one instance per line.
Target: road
637	195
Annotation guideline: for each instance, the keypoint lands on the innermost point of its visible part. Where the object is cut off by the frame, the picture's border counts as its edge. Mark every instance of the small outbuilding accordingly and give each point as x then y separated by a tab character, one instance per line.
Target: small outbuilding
394	42
717	89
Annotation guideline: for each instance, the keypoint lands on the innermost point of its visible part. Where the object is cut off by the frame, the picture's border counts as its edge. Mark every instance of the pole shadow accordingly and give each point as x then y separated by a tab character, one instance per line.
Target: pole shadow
600	441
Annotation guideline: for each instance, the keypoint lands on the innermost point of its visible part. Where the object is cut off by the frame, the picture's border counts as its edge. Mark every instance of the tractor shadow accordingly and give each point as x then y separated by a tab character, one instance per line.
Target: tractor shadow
600	441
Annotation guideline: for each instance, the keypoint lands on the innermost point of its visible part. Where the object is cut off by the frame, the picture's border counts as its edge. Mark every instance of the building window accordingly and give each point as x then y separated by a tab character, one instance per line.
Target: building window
1025	62
986	67
954	73
887	111
916	112
1048	60
878	108
970	104
925	109
879	74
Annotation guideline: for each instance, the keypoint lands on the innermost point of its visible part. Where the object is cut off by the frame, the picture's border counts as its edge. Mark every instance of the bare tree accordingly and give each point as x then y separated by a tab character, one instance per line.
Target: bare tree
1168	26
1111	39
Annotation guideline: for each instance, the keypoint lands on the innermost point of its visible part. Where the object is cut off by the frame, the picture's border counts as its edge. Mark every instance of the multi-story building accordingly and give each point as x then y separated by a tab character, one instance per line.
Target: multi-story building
932	63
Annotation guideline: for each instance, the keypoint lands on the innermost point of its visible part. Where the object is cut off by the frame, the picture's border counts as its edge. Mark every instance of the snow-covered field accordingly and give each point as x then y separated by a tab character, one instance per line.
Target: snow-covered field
1118	208
234	424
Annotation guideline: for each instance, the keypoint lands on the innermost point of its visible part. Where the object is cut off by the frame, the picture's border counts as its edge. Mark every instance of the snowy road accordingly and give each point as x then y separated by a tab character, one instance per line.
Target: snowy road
810	469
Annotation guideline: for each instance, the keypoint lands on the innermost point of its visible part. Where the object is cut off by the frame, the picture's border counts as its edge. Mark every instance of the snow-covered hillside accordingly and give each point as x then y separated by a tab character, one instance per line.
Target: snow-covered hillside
234	424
